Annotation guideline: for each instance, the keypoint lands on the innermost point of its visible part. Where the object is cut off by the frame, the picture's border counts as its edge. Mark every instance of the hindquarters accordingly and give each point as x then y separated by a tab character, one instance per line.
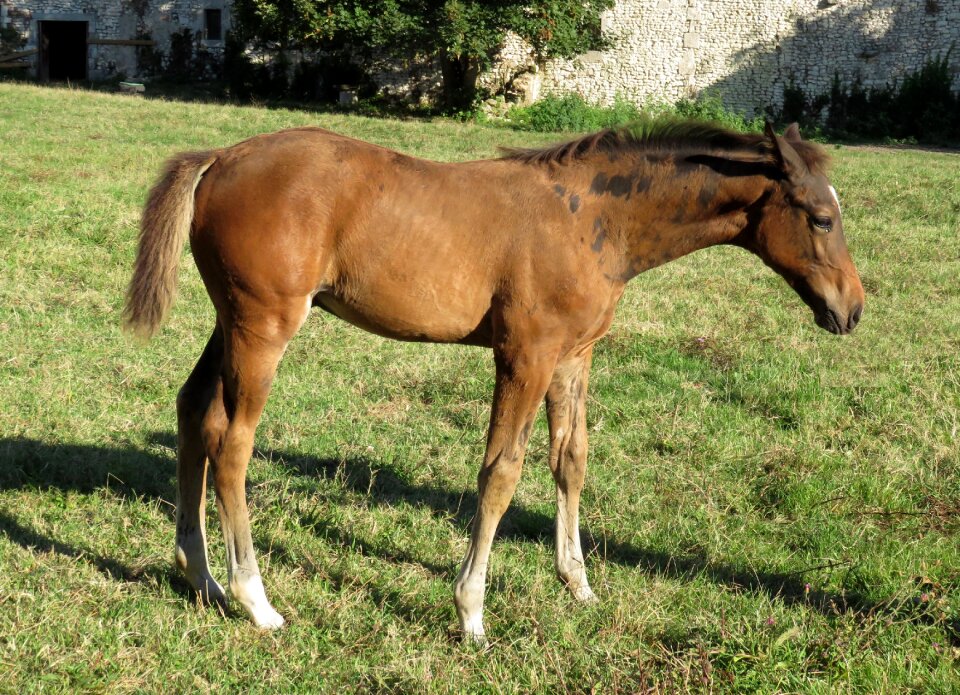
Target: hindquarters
395	245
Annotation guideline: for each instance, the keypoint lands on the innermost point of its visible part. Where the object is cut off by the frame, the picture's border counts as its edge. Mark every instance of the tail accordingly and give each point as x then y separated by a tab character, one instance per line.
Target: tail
164	229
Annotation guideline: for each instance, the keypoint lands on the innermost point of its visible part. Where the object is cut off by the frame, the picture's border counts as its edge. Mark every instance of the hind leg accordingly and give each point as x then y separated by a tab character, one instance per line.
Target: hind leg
200	419
253	347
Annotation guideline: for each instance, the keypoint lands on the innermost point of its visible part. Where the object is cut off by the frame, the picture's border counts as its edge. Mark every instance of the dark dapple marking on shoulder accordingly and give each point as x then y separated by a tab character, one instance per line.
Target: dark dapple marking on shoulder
574	202
601	236
559	190
599	184
380	187
643	184
616	185
620	186
680	216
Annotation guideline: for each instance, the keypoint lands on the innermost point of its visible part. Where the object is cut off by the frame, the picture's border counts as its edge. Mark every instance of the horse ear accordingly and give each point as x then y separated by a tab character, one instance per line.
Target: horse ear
790	162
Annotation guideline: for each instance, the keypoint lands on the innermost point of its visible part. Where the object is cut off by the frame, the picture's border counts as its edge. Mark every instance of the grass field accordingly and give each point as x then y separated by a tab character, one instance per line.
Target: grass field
769	508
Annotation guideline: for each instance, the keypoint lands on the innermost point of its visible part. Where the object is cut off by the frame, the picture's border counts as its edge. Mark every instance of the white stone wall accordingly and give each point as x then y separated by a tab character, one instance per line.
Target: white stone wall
744	51
117	19
747	50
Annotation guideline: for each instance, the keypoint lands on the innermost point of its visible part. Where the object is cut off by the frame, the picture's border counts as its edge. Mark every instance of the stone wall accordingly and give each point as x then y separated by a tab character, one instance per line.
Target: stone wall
663	50
746	52
159	20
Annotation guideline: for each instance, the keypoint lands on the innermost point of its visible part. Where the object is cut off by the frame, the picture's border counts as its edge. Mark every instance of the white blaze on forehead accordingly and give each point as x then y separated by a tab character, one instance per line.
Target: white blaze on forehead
833	192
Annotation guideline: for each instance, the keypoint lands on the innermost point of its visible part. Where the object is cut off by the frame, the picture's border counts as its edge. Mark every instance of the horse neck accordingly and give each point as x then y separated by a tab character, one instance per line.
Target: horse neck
656	207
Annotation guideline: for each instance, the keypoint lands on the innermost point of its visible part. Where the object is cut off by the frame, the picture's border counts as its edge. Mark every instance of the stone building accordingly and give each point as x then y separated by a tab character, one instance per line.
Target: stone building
91	39
745	51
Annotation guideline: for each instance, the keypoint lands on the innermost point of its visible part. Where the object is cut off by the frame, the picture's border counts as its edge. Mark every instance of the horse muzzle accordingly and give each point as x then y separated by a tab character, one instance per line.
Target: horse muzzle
830	320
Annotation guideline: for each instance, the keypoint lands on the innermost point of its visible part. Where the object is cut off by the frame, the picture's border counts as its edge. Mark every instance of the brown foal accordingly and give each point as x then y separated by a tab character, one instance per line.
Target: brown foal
527	254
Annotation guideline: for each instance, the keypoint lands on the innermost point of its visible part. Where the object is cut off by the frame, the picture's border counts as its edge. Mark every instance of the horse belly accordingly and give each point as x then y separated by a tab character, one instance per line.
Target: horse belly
415	312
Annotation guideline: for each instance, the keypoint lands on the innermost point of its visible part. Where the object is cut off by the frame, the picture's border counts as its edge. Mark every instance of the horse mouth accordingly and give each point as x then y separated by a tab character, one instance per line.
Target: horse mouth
829	320
825	316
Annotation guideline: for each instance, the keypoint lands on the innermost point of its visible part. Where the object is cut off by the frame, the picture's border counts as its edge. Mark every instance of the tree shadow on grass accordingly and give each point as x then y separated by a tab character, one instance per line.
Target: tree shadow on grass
112	568
134	474
383	485
128	473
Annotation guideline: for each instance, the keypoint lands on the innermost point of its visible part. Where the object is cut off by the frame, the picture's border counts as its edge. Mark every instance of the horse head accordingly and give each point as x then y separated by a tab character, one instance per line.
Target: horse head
799	233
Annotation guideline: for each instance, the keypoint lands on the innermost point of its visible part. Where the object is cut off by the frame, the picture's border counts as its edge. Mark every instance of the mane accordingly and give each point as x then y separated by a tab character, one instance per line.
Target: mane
673	135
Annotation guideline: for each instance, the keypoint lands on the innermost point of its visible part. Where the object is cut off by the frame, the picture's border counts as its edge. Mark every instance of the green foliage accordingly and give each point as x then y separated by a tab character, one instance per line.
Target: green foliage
709	107
928	104
180	61
560	28
11	40
149	59
924	107
187	61
465	35
470	28
572	113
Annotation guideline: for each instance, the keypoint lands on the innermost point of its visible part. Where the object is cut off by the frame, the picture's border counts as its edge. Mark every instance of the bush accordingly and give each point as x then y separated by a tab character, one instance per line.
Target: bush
709	107
245	79
571	113
927	104
11	40
924	107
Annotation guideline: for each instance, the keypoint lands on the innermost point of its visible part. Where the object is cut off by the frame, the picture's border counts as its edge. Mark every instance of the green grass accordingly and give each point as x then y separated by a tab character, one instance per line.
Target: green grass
768	507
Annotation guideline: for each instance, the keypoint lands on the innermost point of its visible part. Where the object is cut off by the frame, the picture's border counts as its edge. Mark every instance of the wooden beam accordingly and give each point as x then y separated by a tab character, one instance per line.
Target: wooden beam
18	54
121	42
13	66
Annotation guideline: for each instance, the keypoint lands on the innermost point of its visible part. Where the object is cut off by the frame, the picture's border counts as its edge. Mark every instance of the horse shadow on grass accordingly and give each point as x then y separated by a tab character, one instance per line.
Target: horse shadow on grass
140	475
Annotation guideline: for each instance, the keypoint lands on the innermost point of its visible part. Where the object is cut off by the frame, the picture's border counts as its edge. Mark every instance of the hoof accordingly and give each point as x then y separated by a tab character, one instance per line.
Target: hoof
208	590
248	592
584	594
267	619
212	594
477	640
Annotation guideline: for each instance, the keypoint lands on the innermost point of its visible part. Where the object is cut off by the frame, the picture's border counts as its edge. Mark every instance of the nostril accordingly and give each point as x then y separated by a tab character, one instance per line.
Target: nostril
854	317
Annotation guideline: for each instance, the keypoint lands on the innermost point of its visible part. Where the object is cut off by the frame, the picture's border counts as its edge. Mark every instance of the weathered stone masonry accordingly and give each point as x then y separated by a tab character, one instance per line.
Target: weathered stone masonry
748	50
120	20
745	51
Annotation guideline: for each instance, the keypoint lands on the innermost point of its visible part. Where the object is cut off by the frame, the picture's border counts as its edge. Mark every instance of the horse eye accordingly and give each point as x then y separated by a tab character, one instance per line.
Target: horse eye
824	223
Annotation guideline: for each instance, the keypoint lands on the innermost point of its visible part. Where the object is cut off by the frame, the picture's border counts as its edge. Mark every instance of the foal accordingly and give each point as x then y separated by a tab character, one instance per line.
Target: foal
527	254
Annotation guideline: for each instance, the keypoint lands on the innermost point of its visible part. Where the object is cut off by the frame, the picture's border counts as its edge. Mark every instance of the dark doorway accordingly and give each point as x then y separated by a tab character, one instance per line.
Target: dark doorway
63	50
213	26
